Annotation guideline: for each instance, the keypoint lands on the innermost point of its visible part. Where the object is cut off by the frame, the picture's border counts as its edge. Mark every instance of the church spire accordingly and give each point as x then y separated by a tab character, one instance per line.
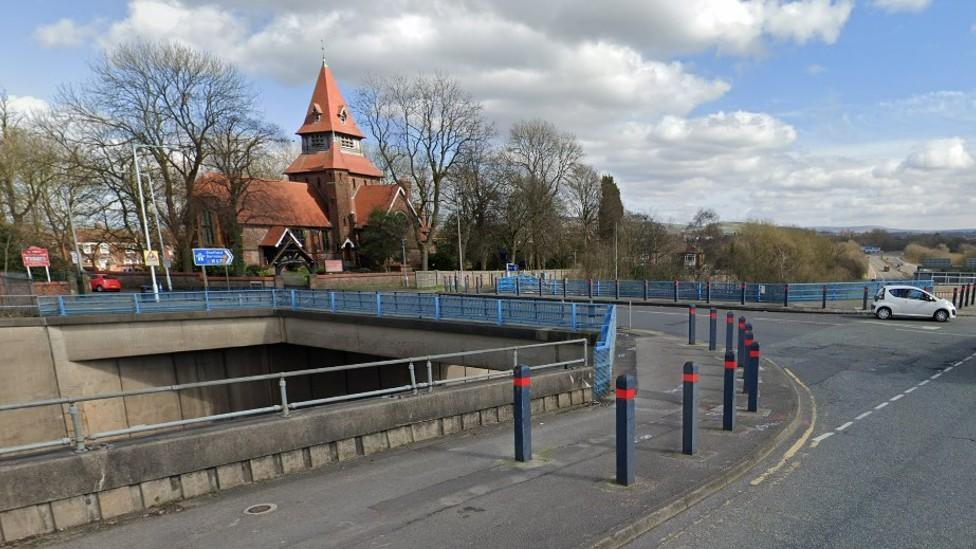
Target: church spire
322	42
327	109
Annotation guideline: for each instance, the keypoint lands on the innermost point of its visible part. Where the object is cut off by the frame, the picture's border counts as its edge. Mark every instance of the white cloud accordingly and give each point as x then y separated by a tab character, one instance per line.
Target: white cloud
816	69
27	106
941	154
892	6
63	33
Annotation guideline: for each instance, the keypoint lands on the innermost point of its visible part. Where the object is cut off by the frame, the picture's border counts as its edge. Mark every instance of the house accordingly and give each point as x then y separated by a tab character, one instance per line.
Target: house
319	212
110	251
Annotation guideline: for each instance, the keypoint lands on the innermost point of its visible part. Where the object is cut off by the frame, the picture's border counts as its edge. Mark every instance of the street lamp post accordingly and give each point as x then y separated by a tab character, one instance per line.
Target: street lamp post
159	232
145	218
74	239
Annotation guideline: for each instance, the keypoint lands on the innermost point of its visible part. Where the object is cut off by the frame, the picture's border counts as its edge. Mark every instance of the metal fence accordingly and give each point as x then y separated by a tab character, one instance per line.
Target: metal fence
18	305
945	278
498	311
80	440
743	292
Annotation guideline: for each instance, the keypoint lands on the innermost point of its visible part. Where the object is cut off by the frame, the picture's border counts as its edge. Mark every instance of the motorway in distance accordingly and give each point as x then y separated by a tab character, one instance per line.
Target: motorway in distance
891	459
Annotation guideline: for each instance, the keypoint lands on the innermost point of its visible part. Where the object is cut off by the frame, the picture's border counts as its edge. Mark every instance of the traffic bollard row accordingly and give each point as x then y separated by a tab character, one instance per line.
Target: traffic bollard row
626	391
741	345
689	412
691	324
522	412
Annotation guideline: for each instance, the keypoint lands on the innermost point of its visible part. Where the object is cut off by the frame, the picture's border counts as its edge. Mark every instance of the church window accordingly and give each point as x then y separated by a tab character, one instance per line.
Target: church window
206	229
317	142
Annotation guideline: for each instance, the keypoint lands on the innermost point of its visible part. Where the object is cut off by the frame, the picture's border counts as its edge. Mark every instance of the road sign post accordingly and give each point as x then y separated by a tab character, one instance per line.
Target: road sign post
213	257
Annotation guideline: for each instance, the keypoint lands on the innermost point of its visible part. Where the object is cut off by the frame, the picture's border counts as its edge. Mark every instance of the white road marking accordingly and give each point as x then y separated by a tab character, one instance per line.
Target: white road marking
896	397
845	426
880	406
936	376
901	325
910	390
777	320
952	334
864	415
923	382
947	370
823	436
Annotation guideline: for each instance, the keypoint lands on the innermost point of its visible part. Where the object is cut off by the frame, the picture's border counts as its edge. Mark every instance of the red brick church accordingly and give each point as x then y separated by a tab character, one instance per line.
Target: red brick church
320	211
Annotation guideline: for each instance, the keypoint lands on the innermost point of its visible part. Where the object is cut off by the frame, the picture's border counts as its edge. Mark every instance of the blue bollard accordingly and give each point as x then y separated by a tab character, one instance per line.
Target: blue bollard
786	295
675	291
689	409
626	390
740	353
712	328
823	297
691	324
728	393
729	327
742	295
522	411
754	377
746	345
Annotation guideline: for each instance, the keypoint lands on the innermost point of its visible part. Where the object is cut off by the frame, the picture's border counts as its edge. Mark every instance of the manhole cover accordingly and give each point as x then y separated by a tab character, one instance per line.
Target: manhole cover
260	509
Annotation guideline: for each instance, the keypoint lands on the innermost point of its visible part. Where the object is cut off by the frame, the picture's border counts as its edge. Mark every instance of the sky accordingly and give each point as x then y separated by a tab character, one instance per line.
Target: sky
799	112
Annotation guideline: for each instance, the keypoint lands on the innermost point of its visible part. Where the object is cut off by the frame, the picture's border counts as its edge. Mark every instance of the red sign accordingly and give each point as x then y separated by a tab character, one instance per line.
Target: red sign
333	265
35	257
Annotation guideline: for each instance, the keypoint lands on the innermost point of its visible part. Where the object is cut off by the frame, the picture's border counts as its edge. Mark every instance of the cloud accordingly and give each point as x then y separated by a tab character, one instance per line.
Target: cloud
816	69
27	106
892	6
63	33
941	154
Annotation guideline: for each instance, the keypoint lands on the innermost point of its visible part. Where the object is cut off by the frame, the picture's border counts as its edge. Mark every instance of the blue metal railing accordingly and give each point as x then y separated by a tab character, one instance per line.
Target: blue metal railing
480	309
751	292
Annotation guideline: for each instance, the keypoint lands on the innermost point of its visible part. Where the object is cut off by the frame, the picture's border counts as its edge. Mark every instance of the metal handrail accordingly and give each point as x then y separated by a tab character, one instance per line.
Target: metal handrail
79	439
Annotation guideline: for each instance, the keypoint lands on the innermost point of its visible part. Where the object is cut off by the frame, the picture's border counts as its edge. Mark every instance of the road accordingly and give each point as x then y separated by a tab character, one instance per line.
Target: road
891	460
898	268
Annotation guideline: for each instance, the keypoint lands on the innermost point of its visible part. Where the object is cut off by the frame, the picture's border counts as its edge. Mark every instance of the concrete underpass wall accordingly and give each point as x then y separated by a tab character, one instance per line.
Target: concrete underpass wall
130	476
81	356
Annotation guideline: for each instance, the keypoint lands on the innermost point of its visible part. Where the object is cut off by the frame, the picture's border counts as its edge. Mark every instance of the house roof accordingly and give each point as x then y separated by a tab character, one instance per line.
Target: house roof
333	159
273	236
327	110
372	197
270	202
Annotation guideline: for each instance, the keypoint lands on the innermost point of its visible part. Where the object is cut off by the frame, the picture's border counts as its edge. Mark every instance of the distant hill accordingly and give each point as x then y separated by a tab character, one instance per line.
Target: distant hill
868	228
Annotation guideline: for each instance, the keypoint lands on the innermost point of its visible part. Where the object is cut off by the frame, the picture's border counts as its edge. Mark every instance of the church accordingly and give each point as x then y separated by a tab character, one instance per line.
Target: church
319	212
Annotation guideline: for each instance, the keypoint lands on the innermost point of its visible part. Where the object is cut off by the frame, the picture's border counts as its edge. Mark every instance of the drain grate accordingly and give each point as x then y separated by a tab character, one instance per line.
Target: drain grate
260	509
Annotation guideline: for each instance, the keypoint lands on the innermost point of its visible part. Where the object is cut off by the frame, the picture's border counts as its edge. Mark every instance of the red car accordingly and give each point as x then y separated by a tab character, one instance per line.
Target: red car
105	283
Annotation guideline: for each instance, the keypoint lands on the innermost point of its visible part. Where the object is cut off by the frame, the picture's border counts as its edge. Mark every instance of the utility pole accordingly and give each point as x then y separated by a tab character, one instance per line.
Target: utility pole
615	270
403	264
460	248
74	239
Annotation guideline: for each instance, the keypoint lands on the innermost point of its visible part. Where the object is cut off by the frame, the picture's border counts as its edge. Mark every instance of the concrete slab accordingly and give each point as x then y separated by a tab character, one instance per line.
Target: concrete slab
198	483
231	475
293	461
264	468
346	449
160	491
26	522
322	454
75	511
120	501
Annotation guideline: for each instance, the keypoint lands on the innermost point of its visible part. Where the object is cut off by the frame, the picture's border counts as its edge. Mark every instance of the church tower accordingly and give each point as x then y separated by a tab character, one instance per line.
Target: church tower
332	161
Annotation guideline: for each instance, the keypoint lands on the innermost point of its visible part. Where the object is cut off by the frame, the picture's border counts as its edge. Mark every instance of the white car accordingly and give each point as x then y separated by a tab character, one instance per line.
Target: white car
910	301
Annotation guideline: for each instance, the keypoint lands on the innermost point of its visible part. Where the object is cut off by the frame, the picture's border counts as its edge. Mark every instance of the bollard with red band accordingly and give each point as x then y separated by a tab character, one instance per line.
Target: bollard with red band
522	412
955	292
740	353
728	393
729	327
708	291
746	345
692	310
689	409
754	377
626	391
712	328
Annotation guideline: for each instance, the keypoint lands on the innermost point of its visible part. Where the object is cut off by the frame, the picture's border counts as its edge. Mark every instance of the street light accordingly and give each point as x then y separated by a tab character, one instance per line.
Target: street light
145	225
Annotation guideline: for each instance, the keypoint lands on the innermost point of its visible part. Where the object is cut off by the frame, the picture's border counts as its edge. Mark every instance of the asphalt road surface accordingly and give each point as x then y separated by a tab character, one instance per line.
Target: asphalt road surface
891	458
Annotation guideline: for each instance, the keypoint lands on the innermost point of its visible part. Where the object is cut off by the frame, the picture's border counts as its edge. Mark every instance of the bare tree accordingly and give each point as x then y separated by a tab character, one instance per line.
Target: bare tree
476	193
422	127
239	149
583	199
163	94
542	157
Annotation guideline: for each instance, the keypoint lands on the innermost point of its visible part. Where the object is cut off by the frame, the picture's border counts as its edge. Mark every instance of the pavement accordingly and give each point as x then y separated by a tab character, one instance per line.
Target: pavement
467	491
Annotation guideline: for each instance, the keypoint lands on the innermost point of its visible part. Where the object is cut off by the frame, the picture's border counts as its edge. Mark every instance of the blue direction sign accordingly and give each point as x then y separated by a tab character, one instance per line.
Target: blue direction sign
212	257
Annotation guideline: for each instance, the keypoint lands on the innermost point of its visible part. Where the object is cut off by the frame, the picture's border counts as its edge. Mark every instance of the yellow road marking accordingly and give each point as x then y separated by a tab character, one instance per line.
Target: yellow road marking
799	443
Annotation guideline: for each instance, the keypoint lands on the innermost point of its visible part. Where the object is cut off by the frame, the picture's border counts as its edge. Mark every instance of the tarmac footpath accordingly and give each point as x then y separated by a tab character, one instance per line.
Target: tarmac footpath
466	490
